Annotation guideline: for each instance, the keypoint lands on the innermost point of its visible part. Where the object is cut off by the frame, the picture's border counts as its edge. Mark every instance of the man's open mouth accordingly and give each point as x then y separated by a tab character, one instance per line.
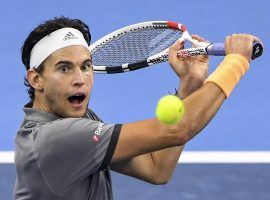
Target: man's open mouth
77	98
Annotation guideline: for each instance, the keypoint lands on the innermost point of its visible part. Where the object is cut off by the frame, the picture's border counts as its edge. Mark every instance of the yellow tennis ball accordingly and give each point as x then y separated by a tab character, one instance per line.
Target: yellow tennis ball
170	109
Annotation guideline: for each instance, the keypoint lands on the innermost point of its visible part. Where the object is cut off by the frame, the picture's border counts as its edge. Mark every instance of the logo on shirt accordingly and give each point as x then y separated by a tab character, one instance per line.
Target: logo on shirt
97	133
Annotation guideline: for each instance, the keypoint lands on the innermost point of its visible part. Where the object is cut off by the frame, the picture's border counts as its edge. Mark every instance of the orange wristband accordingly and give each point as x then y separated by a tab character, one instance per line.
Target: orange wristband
228	73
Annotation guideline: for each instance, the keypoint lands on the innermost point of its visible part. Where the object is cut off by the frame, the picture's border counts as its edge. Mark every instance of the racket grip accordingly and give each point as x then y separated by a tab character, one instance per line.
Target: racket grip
218	49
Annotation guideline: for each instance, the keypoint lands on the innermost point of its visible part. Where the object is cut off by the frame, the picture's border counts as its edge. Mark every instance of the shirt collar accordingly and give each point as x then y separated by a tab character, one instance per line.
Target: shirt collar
33	114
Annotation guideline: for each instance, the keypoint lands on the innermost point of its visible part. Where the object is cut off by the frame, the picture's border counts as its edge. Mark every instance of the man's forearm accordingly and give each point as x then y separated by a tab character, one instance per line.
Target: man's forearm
188	86
166	160
201	107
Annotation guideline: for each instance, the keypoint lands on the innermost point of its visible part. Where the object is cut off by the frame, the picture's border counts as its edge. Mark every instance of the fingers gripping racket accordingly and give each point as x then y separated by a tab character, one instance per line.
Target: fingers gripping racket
144	44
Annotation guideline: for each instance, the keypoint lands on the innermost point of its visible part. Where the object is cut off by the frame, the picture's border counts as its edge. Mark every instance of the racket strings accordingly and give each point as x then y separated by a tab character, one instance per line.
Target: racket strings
135	46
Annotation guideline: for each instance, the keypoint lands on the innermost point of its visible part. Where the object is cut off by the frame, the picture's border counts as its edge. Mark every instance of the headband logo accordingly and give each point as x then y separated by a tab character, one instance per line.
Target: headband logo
69	36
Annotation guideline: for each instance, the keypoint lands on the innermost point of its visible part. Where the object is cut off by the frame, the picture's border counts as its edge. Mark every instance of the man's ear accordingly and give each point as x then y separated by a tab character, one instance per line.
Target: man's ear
35	79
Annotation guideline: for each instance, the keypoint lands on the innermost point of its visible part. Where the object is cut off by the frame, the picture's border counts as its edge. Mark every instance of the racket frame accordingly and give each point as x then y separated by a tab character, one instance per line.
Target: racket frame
157	58
200	48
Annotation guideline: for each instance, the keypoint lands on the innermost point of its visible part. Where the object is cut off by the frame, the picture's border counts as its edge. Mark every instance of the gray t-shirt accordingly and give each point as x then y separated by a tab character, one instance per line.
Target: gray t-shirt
64	158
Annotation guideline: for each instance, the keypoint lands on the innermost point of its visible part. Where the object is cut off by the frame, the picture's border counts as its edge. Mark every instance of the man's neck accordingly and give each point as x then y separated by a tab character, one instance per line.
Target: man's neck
37	104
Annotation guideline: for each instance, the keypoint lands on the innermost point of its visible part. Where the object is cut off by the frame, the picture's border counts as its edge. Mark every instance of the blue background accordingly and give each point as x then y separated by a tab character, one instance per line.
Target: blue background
241	124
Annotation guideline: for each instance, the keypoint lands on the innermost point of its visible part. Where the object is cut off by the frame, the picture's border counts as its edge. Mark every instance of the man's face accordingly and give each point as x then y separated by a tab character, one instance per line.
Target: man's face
67	81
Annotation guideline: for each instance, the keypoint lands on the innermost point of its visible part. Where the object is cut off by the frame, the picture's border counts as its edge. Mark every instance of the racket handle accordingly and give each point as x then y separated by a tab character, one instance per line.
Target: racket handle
218	49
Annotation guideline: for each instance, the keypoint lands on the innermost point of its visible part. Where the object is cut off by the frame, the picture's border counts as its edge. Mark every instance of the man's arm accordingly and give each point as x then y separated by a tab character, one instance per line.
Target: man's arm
157	167
192	72
148	136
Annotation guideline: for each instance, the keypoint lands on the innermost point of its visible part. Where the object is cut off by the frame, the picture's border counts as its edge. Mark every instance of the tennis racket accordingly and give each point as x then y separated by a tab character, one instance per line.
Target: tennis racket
147	43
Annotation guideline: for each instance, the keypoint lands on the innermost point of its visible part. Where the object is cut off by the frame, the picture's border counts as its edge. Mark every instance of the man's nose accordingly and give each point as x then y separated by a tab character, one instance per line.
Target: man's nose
78	78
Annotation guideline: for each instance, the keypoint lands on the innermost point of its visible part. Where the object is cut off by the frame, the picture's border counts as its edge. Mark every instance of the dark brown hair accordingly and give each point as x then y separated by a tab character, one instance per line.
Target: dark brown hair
41	31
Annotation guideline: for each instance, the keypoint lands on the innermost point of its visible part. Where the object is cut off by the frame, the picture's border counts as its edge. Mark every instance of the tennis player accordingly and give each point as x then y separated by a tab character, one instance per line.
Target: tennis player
64	151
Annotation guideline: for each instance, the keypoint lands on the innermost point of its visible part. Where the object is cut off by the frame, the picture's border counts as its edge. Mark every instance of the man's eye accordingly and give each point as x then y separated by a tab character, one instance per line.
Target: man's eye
63	68
86	66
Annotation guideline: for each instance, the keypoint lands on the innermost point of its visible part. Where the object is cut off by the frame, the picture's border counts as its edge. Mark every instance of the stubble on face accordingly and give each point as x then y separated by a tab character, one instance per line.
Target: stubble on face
59	87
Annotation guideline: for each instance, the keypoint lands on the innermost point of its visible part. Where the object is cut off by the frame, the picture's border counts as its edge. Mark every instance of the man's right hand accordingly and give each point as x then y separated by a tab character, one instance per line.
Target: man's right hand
241	44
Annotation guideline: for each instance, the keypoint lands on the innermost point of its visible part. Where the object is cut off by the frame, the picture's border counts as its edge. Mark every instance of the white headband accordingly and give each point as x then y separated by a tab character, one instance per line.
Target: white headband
56	40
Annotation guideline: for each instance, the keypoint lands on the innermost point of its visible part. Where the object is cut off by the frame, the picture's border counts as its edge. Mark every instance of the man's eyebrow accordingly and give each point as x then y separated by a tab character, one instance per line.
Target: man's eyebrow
70	63
63	62
88	60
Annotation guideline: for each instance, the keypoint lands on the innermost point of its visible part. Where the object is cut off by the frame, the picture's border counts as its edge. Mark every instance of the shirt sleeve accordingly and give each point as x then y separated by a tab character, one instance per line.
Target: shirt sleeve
70	149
